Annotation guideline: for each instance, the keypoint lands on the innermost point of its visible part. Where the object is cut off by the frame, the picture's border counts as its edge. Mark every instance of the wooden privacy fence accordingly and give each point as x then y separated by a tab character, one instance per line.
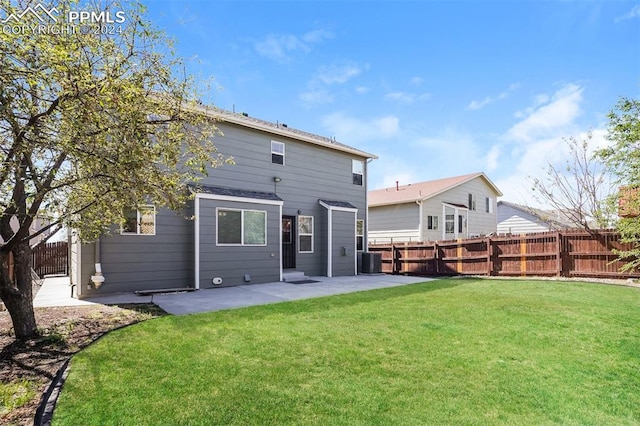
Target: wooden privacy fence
571	253
51	259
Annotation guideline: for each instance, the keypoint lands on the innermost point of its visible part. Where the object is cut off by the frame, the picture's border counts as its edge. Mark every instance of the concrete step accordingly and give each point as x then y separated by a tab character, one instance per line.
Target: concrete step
294	276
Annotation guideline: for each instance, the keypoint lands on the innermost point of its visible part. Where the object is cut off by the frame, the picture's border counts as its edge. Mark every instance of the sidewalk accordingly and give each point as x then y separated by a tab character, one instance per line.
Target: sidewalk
57	292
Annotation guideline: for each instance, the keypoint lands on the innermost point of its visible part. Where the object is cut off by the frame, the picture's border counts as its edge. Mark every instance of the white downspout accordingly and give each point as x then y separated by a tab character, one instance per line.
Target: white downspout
97	279
196	272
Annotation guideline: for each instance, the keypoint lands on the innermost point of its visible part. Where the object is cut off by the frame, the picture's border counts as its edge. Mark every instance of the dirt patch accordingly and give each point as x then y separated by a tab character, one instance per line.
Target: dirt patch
30	366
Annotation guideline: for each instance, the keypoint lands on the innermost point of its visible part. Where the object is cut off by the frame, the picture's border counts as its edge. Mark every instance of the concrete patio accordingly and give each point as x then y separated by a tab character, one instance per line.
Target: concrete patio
57	292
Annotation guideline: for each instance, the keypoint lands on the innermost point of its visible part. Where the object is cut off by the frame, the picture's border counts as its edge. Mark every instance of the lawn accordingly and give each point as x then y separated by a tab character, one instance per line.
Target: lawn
459	351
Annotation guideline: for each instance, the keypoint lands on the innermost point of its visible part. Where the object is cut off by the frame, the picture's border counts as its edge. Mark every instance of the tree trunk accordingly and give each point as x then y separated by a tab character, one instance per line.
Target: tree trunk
17	293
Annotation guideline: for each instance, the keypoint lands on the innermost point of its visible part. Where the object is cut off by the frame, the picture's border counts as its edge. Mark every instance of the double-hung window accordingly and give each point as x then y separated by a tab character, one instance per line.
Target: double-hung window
140	221
357	170
449	224
241	227
305	234
277	152
489	205
472	202
432	222
360	235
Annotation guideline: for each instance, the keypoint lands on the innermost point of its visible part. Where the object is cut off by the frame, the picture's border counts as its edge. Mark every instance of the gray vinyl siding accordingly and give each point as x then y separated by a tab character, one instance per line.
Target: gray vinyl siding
231	263
343	236
310	173
167	260
515	221
143	262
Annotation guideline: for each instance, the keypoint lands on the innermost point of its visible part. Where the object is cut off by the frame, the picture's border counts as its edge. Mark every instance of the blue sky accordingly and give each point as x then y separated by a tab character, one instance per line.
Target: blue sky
434	88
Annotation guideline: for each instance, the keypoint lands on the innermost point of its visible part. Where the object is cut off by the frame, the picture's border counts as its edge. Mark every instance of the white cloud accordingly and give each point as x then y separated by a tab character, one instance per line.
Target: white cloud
318	96
416	81
361	90
633	13
492	158
476	105
406	98
473	105
281	47
338	74
317	91
556	116
352	130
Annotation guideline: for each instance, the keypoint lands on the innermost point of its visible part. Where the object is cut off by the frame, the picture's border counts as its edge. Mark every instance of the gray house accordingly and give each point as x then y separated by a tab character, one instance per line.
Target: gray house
517	219
293	205
442	209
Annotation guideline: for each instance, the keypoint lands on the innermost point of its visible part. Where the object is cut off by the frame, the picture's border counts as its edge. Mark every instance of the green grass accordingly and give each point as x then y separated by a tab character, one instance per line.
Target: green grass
443	352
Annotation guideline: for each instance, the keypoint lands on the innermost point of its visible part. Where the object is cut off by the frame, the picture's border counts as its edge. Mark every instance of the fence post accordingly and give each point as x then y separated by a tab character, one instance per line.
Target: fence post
558	254
436	258
489	257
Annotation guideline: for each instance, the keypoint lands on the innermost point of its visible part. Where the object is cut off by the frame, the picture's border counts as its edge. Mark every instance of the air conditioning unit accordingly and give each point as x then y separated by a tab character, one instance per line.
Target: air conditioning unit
371	263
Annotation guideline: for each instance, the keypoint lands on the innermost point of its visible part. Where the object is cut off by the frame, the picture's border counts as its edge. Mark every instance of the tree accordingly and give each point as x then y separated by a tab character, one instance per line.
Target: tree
579	190
93	120
623	159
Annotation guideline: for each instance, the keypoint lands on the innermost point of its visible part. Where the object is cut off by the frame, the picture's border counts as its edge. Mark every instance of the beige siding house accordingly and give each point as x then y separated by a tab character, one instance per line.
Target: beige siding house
443	209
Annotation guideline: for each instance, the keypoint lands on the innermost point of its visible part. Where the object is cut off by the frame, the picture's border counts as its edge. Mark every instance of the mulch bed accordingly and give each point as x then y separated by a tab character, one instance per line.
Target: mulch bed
64	331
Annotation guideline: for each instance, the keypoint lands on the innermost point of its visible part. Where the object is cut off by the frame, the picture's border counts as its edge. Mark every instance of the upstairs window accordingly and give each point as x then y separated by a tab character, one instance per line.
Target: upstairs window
141	221
357	169
472	202
277	152
489	205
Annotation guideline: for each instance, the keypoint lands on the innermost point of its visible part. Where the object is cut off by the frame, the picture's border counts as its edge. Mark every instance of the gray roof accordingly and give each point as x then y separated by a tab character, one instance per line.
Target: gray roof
343	204
233	192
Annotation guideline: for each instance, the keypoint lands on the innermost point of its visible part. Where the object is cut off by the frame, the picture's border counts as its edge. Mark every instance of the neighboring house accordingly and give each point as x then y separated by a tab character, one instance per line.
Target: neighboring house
516	219
293	201
442	209
37	224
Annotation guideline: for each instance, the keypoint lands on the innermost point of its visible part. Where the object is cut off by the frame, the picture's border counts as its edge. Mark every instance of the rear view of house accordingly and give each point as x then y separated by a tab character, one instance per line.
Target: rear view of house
442	209
292	205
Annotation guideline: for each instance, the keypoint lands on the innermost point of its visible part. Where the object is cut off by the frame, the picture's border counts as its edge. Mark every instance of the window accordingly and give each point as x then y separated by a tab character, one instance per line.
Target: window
140	222
449	224
242	227
472	202
305	234
489	205
277	152
432	222
360	235
357	169
460	223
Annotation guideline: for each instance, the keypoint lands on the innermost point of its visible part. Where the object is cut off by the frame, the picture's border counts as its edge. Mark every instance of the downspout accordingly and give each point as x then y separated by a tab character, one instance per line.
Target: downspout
97	279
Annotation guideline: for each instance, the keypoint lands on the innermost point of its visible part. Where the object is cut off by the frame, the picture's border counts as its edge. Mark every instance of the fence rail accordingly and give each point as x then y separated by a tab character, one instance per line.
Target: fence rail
51	259
559	253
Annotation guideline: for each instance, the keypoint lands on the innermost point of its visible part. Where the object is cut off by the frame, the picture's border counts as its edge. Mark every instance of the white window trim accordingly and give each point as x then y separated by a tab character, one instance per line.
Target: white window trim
242	243
300	234
278	153
123	232
353	161
360	235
